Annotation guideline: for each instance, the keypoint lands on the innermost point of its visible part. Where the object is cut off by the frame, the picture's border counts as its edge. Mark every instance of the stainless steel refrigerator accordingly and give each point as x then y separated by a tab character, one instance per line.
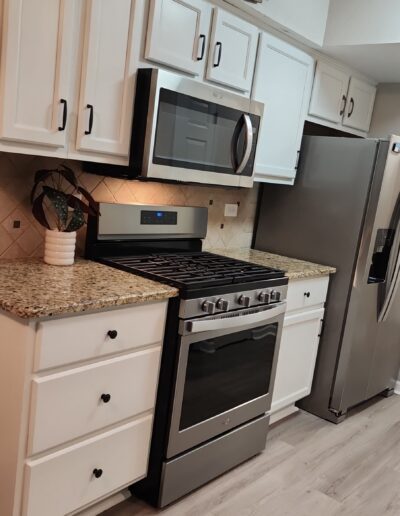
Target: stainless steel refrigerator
344	211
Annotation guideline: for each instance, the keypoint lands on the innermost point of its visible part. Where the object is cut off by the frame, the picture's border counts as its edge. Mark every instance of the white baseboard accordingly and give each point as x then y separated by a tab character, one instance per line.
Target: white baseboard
282	413
397	387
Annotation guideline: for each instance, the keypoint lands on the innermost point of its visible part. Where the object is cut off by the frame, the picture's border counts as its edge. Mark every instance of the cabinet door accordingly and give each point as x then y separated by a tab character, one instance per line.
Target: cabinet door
177	34
35	69
297	356
232	53
360	104
282	81
329	93
107	87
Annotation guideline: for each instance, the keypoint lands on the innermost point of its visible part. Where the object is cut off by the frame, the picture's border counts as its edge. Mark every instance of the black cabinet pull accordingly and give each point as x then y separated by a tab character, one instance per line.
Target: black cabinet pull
344	100
97	472
307	294
65	114
89	106
112	334
218	45
202	37
105	398
351	108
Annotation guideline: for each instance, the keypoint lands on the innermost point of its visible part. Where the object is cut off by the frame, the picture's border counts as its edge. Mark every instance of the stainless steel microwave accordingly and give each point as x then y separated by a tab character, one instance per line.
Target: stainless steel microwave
186	131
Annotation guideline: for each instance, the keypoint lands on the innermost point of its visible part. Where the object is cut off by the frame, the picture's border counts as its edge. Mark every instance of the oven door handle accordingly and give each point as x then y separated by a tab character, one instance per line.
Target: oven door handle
235	321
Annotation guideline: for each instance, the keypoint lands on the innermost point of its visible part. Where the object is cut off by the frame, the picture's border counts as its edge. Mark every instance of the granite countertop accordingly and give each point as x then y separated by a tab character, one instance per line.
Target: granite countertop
294	268
31	289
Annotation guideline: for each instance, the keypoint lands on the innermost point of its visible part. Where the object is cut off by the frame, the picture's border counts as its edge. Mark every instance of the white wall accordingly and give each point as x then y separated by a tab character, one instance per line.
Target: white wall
386	115
305	19
357	22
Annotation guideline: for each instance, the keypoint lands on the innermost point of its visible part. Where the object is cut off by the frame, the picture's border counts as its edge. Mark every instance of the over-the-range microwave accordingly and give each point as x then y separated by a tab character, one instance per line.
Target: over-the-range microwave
187	131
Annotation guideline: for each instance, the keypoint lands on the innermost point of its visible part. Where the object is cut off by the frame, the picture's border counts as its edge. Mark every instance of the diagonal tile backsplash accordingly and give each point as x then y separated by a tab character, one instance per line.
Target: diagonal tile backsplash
22	236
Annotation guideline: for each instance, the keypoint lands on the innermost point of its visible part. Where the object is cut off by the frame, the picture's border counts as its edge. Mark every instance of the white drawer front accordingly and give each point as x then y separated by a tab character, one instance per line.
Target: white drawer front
306	293
68	405
62	482
74	339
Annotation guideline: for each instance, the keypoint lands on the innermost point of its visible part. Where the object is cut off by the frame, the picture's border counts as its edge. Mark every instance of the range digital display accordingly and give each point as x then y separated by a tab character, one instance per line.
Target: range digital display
153	217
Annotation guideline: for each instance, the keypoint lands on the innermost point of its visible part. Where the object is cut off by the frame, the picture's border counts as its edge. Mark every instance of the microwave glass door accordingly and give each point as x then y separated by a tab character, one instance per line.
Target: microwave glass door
197	134
227	371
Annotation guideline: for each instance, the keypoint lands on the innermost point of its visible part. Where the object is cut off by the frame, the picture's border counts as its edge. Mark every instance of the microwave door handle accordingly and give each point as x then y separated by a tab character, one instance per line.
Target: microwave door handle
248	145
234	142
236	321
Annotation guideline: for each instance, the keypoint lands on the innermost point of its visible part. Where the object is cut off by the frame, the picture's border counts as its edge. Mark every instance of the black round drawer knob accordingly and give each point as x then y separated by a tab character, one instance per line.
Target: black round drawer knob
112	334
307	294
97	472
105	398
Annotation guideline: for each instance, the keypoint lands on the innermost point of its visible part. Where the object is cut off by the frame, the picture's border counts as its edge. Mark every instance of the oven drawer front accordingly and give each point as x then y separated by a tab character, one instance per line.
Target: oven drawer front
60	483
85	337
69	404
307	293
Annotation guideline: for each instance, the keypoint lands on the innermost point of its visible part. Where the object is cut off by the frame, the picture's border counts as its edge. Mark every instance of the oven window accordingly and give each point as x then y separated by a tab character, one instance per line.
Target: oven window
227	371
196	134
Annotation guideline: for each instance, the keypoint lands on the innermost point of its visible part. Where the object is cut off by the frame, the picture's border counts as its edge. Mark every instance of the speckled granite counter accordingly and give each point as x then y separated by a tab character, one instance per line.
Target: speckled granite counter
31	289
295	269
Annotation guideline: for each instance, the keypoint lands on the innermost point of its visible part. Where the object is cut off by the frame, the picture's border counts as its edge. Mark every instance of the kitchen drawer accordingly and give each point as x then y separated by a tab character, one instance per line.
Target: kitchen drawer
73	339
62	482
76	402
306	293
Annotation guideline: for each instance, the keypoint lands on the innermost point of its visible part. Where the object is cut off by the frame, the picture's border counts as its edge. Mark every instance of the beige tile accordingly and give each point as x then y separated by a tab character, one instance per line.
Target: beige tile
102	194
14	251
29	240
16	218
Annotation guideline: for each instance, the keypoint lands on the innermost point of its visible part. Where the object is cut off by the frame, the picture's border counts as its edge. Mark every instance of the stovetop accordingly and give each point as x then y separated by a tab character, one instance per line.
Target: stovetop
193	270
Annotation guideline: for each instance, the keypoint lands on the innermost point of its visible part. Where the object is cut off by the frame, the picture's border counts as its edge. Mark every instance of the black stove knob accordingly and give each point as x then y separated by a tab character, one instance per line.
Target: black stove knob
209	307
275	296
244	300
264	297
223	304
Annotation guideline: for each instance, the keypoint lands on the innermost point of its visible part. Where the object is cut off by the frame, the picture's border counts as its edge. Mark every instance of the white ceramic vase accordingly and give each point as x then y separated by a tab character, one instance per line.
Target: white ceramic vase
59	247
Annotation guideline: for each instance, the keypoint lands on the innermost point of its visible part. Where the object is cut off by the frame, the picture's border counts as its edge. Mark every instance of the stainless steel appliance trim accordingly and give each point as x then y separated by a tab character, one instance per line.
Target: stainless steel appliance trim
235	319
198	466
182	440
163	79
249	144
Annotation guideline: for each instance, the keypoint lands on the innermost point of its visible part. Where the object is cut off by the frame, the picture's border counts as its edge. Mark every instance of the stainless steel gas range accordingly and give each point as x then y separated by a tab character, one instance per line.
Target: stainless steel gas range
221	343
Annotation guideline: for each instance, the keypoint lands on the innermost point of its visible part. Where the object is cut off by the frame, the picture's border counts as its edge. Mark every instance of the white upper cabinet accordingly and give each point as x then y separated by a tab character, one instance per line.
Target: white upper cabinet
329	93
232	53
107	84
35	70
360	105
282	81
177	34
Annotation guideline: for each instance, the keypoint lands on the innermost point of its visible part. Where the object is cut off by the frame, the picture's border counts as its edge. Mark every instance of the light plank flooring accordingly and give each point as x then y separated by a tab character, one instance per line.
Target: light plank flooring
310	468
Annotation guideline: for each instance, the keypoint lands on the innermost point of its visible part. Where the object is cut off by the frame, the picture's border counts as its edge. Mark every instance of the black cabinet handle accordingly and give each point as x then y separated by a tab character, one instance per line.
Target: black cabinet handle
218	45
97	472
351	108
307	294
344	100
105	398
65	114
112	334
202	37
90	107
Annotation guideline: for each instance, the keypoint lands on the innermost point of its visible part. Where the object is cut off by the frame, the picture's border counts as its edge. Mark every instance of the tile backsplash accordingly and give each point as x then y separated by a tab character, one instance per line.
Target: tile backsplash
22	236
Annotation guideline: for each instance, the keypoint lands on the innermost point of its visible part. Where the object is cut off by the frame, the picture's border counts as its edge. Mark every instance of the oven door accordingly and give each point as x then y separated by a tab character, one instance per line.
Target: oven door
225	374
198	133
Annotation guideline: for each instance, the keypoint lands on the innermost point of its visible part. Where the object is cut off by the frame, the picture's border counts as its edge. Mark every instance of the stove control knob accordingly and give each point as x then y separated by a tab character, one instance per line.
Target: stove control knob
264	297
244	300
275	296
223	304
209	307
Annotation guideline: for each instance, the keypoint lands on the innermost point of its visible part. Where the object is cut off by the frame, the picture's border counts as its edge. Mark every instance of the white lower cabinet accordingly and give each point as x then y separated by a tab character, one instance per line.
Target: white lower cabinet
299	344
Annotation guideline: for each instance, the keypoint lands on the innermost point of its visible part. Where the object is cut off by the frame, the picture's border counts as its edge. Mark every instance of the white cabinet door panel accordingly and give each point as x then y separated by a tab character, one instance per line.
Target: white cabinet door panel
283	81
107	87
177	34
297	356
360	105
232	54
329	93
36	59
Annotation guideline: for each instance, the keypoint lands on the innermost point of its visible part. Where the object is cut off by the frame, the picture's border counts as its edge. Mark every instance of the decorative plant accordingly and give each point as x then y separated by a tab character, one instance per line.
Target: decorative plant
56	199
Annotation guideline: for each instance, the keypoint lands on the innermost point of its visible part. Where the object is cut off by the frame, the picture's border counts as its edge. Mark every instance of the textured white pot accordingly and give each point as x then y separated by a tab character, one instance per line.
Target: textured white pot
59	247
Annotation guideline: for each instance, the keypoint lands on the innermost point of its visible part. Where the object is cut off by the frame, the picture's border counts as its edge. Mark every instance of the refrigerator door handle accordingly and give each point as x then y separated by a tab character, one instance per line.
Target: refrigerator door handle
394	286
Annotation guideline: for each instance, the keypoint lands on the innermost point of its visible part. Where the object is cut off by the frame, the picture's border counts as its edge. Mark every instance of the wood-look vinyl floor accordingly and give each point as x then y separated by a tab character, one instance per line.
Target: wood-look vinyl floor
309	468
